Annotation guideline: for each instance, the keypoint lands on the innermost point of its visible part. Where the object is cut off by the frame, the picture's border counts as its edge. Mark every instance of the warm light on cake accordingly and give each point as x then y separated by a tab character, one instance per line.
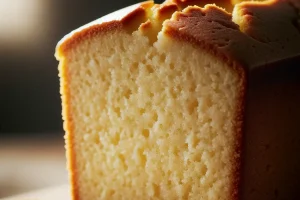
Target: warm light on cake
155	103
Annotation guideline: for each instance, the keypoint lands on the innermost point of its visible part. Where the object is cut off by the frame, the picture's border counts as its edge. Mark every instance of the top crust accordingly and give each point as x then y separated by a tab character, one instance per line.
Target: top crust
255	34
124	19
227	4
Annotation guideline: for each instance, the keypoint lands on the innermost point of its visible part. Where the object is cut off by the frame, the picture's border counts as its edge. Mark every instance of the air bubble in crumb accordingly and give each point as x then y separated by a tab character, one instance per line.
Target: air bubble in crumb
156	189
146	133
149	69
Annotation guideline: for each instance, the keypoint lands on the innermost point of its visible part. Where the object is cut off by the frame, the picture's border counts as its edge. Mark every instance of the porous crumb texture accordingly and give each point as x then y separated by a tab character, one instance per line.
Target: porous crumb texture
150	121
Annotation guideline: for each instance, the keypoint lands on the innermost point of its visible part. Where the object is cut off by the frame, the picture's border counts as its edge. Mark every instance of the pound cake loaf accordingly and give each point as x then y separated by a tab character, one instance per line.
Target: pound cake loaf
188	99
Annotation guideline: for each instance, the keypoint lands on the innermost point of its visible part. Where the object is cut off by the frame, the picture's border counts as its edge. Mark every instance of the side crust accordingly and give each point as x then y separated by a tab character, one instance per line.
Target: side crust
68	127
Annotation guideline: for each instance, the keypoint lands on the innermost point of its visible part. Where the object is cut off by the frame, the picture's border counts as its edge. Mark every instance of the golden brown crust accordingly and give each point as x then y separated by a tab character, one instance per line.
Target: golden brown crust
88	33
165	10
127	19
134	19
68	127
146	26
258	44
194	25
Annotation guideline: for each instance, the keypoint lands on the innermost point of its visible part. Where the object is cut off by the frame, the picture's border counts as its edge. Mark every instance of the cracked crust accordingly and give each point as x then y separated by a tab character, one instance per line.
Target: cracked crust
246	36
249	38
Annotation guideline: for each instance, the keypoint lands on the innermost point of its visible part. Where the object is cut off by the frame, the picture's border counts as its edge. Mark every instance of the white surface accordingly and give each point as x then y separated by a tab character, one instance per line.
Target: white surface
54	193
30	164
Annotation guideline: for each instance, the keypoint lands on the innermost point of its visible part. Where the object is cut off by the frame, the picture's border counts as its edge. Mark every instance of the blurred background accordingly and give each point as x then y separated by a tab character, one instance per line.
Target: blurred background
31	135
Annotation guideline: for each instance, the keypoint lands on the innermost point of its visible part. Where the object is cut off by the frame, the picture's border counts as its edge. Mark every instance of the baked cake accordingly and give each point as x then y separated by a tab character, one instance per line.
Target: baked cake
187	99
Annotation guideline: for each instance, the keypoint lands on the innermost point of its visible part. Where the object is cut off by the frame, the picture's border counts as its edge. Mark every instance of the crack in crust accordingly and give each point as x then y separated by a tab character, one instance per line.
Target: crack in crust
247	36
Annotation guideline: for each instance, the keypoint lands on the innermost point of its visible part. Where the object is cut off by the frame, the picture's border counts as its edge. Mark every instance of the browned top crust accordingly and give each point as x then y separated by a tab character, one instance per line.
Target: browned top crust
227	4
256	34
127	19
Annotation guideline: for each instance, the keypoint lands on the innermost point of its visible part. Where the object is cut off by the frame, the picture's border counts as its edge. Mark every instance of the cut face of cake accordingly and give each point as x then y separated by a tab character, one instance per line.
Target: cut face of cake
180	101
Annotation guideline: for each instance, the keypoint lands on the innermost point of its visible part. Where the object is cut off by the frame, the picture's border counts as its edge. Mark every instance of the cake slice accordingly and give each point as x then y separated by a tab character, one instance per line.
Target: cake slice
184	100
